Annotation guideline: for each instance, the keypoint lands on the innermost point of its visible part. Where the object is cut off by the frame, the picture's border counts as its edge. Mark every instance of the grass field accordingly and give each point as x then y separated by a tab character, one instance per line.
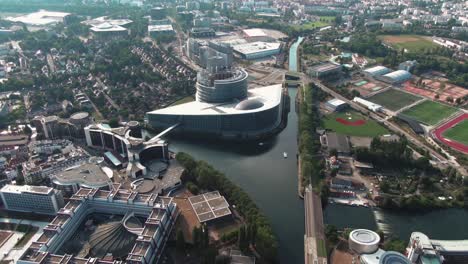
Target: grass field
429	112
458	133
393	99
409	42
370	129
323	22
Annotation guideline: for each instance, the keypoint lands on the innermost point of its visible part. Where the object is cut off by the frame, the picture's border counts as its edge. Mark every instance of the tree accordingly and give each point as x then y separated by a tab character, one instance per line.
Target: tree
180	241
114	122
395	245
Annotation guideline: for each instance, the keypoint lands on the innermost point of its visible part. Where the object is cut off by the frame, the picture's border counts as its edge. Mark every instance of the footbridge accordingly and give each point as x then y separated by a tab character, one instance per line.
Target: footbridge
167	130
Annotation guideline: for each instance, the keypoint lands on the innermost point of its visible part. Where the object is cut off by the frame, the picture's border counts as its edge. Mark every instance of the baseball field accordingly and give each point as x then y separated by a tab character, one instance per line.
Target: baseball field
352	123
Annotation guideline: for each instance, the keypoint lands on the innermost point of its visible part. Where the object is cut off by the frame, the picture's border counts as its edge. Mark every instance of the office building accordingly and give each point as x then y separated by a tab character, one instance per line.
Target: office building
160	30
224	107
41	18
33	199
127	143
113	241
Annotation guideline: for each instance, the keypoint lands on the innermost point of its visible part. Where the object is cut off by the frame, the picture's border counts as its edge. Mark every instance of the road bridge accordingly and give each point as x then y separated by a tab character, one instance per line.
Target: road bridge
314	238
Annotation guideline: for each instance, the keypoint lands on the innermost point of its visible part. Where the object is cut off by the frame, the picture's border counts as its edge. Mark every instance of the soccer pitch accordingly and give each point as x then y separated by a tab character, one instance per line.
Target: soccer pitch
393	99
429	112
458	133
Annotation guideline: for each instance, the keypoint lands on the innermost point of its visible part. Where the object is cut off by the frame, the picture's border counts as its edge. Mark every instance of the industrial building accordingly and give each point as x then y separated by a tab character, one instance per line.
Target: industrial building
371	106
396	77
90	174
31	199
257	50
376	71
336	105
338	142
224	107
324	69
143	244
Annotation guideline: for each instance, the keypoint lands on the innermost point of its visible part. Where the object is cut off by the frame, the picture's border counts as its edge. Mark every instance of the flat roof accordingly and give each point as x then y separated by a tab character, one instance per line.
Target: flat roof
18	189
336	102
324	67
160	28
86	175
270	96
255	47
107	27
209	206
40	18
99	20
254	32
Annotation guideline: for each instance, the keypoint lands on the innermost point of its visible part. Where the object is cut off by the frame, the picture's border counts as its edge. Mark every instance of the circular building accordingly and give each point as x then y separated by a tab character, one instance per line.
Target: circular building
363	241
392	257
80	119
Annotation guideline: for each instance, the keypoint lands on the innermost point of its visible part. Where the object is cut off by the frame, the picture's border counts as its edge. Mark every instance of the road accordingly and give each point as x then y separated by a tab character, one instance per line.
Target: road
50	61
314	229
104	88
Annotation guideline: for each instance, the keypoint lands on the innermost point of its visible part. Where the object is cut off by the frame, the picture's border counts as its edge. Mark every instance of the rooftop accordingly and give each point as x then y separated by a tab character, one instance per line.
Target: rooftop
254	32
99	20
107	27
40	18
269	96
209	206
19	189
89	174
254	47
160	28
324	67
336	102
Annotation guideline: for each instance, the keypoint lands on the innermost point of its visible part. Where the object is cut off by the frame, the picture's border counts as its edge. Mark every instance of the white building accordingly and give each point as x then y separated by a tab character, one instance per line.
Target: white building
40	18
35	199
256	50
371	106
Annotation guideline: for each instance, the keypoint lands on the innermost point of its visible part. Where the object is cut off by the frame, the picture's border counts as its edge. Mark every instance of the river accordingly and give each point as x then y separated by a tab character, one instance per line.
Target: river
268	177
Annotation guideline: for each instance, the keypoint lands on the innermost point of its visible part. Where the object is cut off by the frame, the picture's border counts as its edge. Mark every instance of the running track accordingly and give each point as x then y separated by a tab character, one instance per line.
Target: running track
453	144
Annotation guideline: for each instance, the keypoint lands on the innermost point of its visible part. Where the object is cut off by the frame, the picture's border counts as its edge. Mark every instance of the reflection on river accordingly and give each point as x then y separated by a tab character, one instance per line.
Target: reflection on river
438	224
262	171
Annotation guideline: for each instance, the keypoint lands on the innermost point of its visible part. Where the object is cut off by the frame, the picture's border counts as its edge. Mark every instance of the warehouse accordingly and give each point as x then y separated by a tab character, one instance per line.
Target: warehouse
257	50
376	71
324	69
396	77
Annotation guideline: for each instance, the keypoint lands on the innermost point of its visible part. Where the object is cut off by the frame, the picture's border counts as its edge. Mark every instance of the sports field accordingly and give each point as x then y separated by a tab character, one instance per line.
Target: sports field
459	132
323	22
393	99
429	112
409	42
353	124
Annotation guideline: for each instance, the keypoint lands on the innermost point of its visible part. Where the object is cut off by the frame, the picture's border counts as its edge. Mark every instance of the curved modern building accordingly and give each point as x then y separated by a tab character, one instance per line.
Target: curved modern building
363	241
224	106
120	141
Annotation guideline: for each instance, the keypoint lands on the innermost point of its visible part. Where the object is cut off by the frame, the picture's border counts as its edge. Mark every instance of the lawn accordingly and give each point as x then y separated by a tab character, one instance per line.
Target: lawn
409	42
323	22
370	128
429	112
393	99
458	133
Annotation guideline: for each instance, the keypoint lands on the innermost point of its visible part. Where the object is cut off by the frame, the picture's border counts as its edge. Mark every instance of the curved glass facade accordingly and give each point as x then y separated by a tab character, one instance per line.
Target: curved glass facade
222	87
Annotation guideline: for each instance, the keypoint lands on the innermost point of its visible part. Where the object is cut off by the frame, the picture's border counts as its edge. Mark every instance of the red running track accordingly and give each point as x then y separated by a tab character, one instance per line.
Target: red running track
359	122
453	144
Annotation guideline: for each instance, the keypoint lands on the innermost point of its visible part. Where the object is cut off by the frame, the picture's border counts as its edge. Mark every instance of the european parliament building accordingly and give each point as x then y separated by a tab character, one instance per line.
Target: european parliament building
224	106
